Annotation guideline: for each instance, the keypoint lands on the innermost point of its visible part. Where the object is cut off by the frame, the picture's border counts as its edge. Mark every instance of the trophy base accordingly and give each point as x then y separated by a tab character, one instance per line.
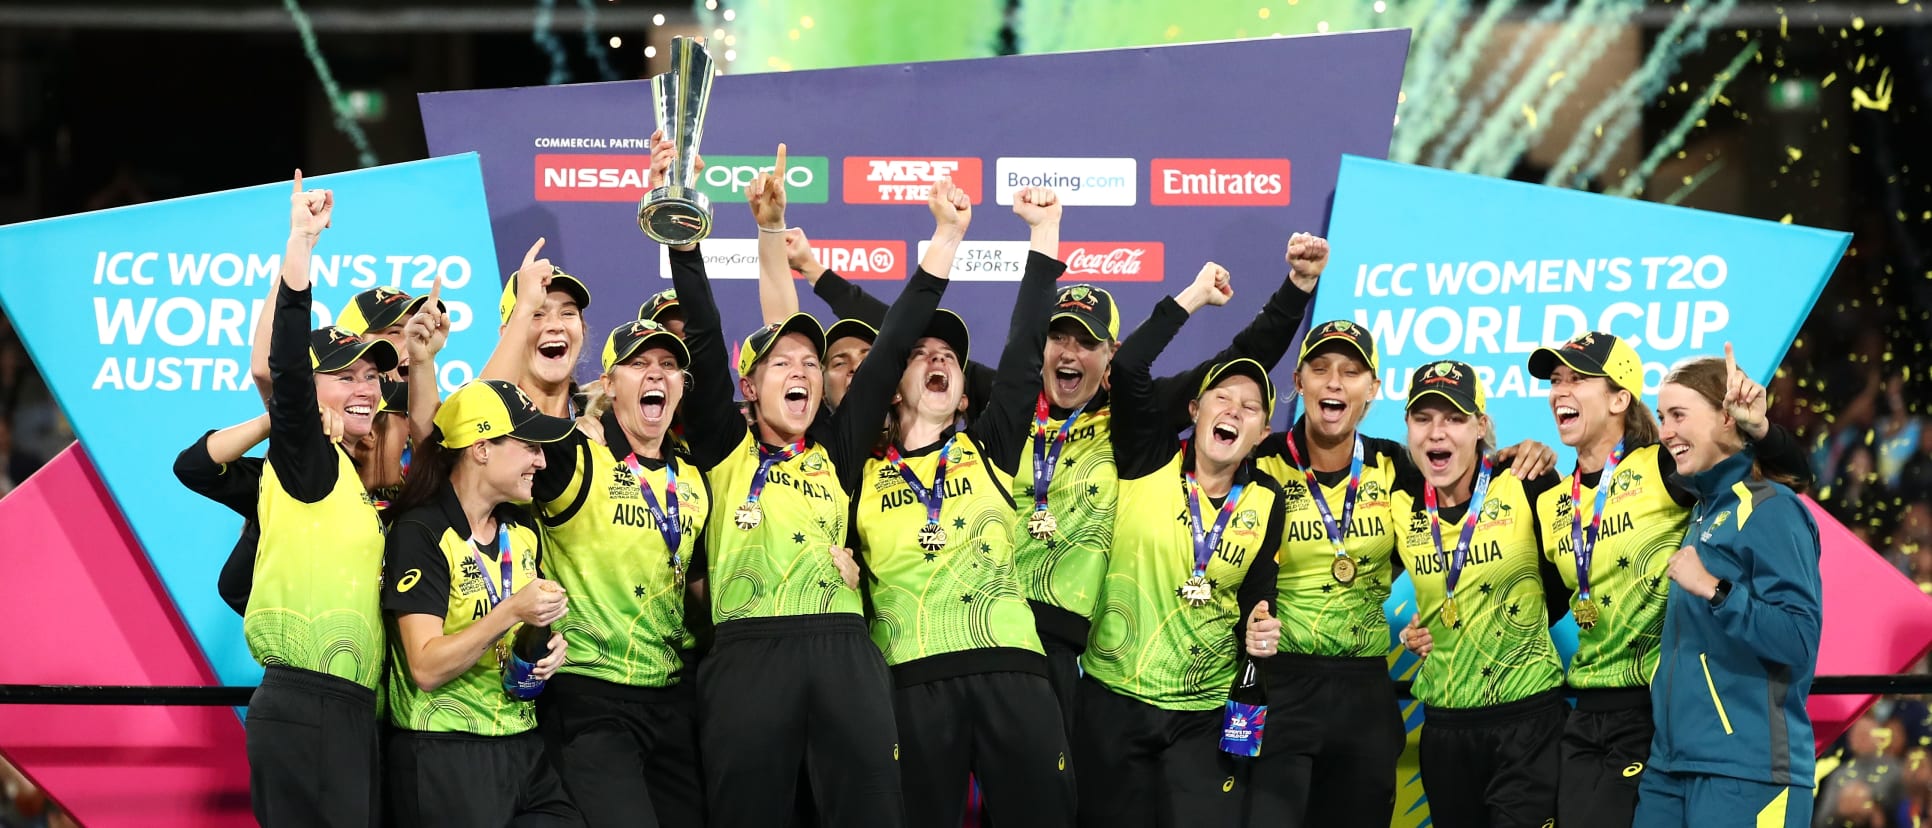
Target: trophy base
675	215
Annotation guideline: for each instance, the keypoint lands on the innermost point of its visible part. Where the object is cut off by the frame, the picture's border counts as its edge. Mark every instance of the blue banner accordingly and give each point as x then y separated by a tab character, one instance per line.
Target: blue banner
1443	265
140	319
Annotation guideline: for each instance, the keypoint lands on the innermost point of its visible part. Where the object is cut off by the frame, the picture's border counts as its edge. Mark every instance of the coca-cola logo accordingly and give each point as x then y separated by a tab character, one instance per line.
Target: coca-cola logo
1116	261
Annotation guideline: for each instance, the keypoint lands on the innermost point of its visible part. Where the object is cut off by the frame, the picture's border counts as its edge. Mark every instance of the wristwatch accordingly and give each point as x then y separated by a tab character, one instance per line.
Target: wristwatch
1723	591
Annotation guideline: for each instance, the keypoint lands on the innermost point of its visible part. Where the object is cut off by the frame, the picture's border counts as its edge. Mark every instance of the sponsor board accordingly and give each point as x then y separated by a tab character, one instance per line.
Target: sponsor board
1081	182
736	259
1218	182
871	180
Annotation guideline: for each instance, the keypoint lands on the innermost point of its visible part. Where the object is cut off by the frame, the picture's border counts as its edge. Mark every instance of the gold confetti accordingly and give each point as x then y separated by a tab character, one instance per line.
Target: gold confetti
793	34
1175	31
1784	27
1855	150
1786	219
1599	130
1794	152
1529	115
1687	180
1858	24
806	21
1557	76
1828	79
1861	65
1264	12
1881	97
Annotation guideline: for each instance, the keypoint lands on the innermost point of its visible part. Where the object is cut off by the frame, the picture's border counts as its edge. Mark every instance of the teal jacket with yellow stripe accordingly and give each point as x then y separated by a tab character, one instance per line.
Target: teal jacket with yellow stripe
1729	693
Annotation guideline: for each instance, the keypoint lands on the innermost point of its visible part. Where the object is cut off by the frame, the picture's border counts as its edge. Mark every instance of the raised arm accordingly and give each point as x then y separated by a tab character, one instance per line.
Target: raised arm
1143	438
777	295
855	425
509	361
215	469
1268	335
424	335
712	423
299	448
1001	429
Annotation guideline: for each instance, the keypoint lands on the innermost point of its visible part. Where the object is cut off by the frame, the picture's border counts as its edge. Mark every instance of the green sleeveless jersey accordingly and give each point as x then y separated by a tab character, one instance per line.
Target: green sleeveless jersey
434	569
1151	644
782	566
602	543
316	598
1498	649
1640	528
962	597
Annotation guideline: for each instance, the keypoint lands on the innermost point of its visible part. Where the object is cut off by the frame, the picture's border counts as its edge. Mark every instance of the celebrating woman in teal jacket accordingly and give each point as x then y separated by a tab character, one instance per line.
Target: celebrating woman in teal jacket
1733	744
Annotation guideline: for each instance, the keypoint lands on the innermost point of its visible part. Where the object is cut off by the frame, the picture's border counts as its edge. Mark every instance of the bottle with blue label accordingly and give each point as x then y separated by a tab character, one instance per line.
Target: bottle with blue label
1247	713
530	645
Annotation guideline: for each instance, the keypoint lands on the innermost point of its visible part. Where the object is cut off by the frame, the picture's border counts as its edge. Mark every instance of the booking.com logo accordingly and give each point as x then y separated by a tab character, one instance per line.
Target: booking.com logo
725	177
1103	182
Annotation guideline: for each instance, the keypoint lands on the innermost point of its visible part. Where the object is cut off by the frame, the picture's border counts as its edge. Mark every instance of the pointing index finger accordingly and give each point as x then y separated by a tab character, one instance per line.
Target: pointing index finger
534	250
778	165
435	295
1730	358
298	181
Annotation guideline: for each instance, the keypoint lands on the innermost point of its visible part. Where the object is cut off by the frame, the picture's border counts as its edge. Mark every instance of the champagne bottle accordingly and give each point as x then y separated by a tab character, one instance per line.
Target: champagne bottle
1247	712
528	646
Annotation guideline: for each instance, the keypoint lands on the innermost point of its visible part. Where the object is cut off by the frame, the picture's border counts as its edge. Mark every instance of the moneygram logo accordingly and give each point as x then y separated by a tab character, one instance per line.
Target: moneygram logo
725	177
592	177
1114	261
906	180
1098	182
738	258
1223	182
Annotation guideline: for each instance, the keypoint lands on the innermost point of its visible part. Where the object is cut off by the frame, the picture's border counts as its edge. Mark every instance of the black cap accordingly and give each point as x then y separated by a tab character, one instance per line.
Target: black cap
1092	307
760	341
629	338
1593	354
947	327
850	327
1348	334
1450	380
395	396
334	348
378	308
660	303
1243	367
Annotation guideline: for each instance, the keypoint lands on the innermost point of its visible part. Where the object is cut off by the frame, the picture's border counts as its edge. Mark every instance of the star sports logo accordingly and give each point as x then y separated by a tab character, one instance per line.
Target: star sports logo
1219	182
906	180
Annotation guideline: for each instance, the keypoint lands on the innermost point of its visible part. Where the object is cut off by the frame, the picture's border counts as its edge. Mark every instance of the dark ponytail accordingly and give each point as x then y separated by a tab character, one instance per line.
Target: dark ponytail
429	474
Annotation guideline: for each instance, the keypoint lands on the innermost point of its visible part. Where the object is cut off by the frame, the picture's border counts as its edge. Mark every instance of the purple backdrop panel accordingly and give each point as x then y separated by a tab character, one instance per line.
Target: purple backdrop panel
1167	157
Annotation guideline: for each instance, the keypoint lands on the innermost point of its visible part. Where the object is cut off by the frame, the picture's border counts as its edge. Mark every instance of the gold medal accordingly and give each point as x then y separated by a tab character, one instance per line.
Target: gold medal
1585	610
749	516
1449	612
1197	591
1343	569
932	538
1042	525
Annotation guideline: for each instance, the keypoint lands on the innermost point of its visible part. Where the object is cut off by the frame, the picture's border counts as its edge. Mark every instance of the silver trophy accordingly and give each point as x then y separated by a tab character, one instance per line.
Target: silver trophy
677	213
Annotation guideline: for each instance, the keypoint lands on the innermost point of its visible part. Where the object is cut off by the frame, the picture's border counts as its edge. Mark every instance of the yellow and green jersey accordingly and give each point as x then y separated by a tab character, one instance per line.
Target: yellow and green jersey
1320	613
1642	524
1498	648
1149	642
604	545
1065	571
315	602
434	568
956	609
783	565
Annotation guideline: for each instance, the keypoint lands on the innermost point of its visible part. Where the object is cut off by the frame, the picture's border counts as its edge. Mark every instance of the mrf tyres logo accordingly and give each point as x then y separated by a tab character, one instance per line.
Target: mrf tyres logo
871	180
1219	182
627	177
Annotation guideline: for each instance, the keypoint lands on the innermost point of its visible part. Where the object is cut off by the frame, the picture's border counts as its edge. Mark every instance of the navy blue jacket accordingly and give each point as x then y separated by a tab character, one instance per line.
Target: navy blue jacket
1729	693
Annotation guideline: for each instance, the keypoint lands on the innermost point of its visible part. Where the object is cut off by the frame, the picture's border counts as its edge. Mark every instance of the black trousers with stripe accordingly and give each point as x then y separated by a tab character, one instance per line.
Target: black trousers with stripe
461	780
314	758
777	694
1005	729
628	756
1141	765
1493	767
1329	751
1605	745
